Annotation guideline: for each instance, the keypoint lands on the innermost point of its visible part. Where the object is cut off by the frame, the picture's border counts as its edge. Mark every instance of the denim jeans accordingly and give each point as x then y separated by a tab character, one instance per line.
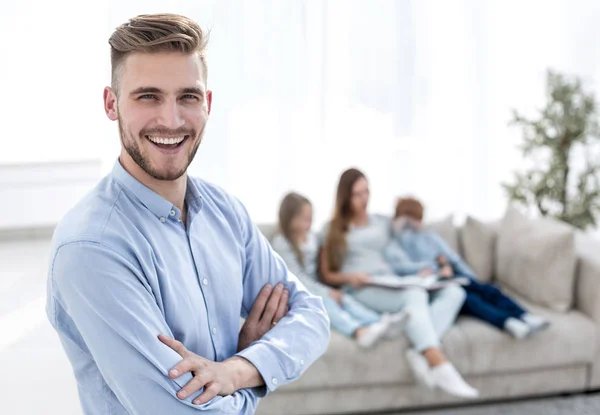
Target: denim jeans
431	313
489	304
349	316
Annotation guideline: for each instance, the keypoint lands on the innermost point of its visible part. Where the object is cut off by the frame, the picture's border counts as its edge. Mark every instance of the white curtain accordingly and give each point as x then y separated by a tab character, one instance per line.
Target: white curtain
417	93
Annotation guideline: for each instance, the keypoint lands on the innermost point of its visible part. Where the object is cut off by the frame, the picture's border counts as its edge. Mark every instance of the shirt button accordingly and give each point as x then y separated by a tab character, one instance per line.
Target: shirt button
205	281
301	362
162	219
274	380
172	212
214	330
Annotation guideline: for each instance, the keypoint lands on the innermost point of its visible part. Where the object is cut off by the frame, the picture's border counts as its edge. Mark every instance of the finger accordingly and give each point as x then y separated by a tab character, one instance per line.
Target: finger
194	385
260	303
173	344
272	305
188	364
209	393
283	303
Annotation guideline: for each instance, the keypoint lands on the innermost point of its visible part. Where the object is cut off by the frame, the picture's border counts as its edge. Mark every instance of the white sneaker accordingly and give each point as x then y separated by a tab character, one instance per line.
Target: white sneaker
447	378
535	323
397	322
517	328
420	368
373	334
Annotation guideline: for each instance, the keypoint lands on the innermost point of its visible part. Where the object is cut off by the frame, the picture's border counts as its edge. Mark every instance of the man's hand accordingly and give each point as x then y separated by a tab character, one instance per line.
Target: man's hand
217	378
446	271
337	295
270	306
359	280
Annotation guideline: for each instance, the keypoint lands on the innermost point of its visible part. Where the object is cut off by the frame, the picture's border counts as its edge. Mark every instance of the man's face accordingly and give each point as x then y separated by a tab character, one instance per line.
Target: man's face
162	110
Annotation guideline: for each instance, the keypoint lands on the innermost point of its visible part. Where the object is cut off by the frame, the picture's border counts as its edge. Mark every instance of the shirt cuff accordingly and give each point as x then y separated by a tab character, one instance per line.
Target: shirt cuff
266	362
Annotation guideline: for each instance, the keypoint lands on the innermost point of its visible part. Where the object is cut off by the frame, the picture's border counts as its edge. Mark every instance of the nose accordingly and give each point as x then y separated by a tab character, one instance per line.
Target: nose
170	115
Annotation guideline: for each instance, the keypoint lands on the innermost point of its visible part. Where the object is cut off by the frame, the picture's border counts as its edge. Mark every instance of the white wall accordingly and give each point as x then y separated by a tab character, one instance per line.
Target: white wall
37	195
415	93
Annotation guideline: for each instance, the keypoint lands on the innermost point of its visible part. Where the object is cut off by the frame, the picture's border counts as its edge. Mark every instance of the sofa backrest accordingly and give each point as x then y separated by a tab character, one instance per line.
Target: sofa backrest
268	230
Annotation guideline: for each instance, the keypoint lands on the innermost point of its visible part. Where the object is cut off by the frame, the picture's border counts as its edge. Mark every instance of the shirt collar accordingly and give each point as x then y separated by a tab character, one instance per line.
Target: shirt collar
159	206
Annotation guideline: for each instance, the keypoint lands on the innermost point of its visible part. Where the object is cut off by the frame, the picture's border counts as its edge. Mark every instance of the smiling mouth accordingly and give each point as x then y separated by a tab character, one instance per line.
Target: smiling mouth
167	143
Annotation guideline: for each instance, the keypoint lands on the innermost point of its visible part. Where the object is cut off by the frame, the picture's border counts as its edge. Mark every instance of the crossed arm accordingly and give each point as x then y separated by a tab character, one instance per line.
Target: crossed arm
118	321
235	373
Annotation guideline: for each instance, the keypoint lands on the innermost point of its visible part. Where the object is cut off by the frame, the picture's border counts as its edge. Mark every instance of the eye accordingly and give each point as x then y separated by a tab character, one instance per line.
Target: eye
190	97
147	97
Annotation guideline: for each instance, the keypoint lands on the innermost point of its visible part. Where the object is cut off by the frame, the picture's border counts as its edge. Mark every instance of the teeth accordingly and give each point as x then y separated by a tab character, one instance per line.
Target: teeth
163	140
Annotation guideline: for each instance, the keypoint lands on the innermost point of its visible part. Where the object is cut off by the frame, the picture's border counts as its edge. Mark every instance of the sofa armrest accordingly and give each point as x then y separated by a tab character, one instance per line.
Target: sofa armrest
588	291
588	276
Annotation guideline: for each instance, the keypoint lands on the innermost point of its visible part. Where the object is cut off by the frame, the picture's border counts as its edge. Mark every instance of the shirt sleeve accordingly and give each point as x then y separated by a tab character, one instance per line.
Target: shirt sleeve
401	263
284	249
118	319
460	266
298	339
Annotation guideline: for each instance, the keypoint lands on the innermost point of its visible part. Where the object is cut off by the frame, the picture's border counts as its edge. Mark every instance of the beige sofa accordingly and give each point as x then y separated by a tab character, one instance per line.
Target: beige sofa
563	359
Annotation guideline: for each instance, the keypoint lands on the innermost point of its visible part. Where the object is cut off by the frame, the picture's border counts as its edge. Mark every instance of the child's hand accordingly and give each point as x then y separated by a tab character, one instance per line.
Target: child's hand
399	223
446	271
359	280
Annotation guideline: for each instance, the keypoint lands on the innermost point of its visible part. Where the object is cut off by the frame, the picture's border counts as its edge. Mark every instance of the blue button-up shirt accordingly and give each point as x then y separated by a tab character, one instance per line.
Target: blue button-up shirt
124	269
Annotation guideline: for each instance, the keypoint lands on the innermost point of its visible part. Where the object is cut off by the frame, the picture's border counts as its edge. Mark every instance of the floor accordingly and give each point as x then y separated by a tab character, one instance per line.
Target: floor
40	380
573	405
39	375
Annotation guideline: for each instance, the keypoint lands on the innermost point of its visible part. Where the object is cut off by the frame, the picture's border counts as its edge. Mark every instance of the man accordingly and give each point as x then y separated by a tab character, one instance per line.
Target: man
152	252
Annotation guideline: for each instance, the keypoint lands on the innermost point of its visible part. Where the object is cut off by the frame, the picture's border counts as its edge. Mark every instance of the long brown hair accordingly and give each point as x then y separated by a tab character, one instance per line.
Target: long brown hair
335	243
290	207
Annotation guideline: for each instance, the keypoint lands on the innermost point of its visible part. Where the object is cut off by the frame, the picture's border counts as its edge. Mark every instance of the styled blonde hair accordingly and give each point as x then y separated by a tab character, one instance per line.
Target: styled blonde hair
151	33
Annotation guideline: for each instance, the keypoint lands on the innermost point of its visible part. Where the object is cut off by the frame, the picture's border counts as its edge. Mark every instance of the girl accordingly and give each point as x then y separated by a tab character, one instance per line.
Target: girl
299	248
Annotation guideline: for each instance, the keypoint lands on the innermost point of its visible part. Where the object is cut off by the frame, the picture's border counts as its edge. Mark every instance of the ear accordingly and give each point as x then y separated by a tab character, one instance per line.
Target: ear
110	104
209	100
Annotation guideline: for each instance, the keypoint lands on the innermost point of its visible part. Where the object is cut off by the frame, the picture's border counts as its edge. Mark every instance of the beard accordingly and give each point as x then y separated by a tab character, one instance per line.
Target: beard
141	159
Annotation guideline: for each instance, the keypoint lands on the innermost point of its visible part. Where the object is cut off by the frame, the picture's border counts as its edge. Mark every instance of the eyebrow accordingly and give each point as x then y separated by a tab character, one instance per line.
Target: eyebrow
154	90
193	90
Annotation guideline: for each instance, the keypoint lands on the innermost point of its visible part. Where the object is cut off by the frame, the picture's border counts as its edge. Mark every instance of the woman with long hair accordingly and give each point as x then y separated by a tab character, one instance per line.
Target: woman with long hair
352	253
298	247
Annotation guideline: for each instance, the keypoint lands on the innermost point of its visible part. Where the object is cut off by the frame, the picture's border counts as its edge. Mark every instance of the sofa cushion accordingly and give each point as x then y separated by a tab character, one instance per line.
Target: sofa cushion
475	347
347	365
536	258
446	229
571	339
478	244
